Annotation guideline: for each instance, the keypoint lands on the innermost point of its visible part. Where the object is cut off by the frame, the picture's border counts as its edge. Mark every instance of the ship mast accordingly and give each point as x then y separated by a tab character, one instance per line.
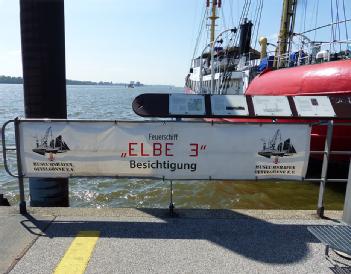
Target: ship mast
213	17
286	30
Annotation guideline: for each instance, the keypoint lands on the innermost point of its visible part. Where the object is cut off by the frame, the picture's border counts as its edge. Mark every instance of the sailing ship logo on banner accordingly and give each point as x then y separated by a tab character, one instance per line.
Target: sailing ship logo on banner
277	148
50	145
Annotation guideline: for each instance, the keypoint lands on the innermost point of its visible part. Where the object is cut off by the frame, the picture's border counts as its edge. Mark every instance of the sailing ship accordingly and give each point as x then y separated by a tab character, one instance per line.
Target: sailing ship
49	144
299	65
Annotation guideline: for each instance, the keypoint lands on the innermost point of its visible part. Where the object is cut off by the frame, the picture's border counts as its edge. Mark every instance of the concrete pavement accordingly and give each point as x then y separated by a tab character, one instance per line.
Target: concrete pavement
17	234
197	241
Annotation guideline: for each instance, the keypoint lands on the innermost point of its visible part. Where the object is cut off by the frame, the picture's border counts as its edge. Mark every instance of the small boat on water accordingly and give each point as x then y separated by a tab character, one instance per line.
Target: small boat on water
299	65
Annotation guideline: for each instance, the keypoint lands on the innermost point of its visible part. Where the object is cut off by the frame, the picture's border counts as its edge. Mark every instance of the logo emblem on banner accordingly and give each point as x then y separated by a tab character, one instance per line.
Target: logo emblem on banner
48	144
276	147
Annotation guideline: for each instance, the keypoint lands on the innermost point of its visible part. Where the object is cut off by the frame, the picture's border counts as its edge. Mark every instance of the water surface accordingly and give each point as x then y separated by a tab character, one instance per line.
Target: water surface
114	102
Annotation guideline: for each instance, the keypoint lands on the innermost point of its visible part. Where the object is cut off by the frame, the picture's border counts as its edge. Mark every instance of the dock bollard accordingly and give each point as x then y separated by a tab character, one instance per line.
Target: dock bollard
3	201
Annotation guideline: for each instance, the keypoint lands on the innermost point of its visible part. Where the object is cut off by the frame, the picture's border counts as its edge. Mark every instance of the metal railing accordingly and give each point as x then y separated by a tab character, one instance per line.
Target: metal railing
19	175
307	54
327	152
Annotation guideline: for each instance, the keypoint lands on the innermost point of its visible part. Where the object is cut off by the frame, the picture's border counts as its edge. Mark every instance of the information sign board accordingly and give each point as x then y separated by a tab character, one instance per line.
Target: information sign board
310	106
271	106
231	105
186	104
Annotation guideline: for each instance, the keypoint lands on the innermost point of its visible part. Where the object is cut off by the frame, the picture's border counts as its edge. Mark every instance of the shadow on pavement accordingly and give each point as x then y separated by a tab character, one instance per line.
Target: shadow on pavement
248	236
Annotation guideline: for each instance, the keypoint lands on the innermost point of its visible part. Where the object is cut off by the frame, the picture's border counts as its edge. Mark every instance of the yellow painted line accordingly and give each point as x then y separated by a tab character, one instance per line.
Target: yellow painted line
78	254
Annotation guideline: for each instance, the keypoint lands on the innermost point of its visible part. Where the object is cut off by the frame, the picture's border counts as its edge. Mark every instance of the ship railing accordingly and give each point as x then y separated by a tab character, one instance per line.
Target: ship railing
197	62
248	60
245	60
323	180
313	53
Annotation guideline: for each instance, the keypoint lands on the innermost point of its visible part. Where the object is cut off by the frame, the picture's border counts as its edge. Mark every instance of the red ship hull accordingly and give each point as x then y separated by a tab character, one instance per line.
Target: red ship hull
326	79
331	78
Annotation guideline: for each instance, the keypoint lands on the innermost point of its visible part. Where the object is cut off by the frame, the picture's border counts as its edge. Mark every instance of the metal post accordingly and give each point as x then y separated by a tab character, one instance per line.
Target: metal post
22	204
328	141
201	77
171	204
201	67
347	206
44	81
212	69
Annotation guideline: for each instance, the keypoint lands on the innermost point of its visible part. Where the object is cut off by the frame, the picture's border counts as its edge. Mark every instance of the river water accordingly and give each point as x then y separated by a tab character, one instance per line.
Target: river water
114	102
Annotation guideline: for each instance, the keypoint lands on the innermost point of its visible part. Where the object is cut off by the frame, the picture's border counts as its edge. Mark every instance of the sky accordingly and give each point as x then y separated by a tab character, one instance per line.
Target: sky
151	41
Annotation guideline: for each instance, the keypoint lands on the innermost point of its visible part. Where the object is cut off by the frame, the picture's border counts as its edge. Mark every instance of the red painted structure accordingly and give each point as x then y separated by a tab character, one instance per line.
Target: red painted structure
330	78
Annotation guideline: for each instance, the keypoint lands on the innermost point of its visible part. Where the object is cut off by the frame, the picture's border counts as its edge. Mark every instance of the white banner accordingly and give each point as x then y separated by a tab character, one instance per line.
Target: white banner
170	150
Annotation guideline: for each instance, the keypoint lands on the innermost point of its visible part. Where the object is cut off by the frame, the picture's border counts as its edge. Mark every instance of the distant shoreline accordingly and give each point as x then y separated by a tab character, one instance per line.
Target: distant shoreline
8	80
69	84
19	80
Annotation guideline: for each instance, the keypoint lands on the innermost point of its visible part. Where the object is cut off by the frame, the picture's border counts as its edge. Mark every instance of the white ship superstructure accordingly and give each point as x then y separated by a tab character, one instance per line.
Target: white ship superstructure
224	65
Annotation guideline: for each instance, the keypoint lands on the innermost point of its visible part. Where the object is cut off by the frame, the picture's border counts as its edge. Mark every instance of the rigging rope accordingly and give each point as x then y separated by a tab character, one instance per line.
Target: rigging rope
258	22
242	12
255	16
332	26
315	25
245	11
203	23
231	12
304	14
302	5
343	7
337	20
327	25
248	9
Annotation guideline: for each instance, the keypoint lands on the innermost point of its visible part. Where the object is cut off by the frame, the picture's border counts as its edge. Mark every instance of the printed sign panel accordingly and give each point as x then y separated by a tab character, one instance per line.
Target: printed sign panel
229	105
309	106
185	104
170	150
271	106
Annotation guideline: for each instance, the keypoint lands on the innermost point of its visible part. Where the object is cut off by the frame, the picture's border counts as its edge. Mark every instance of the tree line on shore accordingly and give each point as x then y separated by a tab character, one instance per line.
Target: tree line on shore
19	80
